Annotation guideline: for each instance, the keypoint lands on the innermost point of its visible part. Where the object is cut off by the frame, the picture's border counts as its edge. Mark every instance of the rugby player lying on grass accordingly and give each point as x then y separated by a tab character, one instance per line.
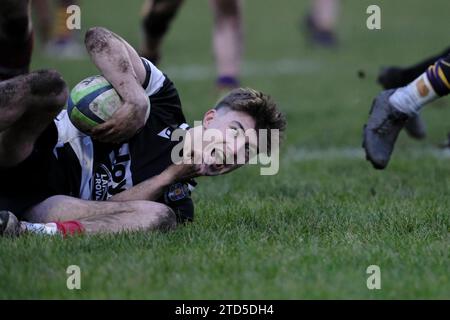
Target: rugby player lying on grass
55	177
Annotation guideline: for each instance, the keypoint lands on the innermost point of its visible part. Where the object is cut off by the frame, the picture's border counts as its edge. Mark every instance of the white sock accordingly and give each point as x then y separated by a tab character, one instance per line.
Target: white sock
39	228
411	98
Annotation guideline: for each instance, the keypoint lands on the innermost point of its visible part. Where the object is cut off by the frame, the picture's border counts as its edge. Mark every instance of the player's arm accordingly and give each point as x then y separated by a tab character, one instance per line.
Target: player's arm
122	67
151	189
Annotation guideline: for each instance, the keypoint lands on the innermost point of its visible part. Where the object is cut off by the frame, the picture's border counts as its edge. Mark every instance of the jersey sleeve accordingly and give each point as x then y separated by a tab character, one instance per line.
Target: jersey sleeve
178	198
154	78
165	104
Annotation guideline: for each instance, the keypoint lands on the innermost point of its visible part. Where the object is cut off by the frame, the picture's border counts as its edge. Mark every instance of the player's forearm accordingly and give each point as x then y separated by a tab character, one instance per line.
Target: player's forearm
149	190
112	57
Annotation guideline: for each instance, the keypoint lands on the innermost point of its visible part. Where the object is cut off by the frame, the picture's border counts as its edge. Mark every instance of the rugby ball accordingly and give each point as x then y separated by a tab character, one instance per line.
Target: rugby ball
92	102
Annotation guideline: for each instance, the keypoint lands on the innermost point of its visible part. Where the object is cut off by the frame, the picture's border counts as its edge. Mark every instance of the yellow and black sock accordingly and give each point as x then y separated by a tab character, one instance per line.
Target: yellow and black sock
439	76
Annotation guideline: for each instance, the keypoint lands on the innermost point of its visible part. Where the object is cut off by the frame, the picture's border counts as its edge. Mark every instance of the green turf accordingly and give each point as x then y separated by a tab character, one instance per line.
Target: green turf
310	231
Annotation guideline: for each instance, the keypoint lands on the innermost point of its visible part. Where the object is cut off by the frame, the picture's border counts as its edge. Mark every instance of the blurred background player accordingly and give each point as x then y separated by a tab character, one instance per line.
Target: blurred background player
393	108
16	38
158	15
321	22
28	103
59	41
227	35
393	77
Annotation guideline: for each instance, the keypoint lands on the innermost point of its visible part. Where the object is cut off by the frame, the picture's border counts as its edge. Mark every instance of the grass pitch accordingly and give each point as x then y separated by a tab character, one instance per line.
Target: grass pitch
310	231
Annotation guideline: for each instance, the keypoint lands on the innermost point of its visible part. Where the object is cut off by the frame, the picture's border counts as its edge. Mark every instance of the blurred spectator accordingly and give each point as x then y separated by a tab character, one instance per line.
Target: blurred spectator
58	40
227	35
321	22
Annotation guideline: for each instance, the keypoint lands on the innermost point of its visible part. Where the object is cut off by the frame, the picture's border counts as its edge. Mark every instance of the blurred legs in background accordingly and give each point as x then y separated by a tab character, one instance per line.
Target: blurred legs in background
321	22
227	35
158	14
59	41
227	42
44	19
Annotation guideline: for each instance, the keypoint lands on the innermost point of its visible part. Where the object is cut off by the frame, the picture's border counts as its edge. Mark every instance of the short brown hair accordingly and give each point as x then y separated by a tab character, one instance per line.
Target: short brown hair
259	106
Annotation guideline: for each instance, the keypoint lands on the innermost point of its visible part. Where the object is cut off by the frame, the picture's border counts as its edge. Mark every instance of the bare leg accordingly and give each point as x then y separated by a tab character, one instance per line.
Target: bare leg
28	104
227	40
142	218
158	14
321	23
325	14
106	216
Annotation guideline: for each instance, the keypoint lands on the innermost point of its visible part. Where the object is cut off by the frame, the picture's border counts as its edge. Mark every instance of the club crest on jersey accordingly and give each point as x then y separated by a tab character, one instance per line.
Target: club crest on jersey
178	191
